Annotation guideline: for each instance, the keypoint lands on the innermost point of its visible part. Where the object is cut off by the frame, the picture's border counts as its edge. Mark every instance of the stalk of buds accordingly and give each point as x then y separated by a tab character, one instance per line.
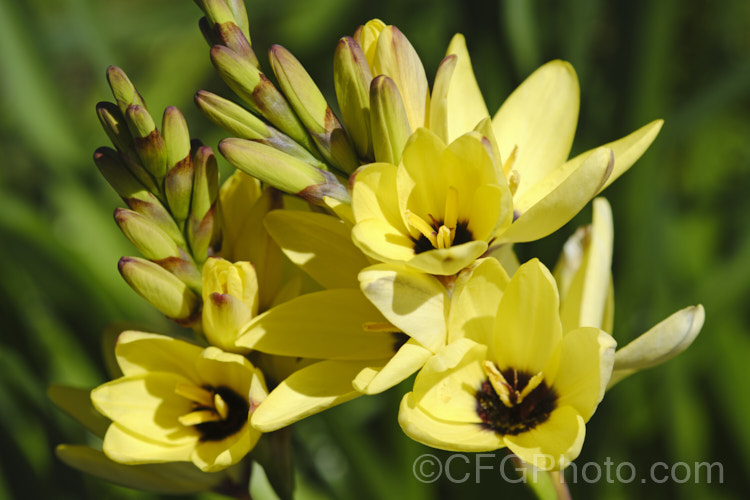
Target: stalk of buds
170	186
293	129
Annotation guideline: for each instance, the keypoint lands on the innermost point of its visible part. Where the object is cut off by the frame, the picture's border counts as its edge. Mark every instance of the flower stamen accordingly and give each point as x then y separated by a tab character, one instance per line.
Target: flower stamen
199	417
421	225
198	395
508	165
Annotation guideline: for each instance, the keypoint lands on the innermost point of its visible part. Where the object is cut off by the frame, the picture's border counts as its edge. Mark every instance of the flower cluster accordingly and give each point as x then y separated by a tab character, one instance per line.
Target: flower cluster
347	254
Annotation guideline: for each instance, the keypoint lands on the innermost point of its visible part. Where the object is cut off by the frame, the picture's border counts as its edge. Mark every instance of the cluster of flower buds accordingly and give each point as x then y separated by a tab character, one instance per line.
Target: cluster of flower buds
403	217
170	186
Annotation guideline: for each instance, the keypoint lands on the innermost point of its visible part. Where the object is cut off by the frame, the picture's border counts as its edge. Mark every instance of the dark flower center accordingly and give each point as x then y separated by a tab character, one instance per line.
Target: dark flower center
236	416
519	412
462	235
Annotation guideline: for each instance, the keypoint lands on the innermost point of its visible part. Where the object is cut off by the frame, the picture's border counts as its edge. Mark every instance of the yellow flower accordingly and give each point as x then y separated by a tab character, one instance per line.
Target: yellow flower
437	211
587	299
177	402
230	300
532	133
528	386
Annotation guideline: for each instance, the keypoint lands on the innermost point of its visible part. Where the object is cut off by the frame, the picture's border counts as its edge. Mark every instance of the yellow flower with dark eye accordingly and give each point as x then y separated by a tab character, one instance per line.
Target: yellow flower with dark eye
532	134
177	402
526	386
438	210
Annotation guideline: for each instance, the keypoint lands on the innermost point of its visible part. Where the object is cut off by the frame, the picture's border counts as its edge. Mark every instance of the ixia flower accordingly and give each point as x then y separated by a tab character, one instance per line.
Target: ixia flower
437	211
584	277
527	386
177	402
532	134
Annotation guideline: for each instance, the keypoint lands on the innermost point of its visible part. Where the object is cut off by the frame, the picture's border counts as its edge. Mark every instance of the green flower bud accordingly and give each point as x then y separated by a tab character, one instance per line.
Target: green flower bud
258	92
352	78
176	136
242	124
202	229
148	141
283	171
123	90
161	288
146	236
115	126
388	121
313	110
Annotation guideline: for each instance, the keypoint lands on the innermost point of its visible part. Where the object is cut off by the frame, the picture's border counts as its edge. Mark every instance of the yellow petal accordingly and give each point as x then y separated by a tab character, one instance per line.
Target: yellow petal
307	391
127	447
439	98
410	358
167	478
626	150
140	353
585	368
475	300
223	369
381	241
212	456
396	58
224	316
539	118
586	297
491	211
558	198
367	37
527	328
319	244
238	193
465	104
453	436
414	302
446	387
422	186
148	405
324	325
552	444
447	261
661	343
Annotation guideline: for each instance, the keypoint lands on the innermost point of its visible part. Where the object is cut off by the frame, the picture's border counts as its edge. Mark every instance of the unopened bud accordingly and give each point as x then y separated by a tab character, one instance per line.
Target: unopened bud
313	110
352	79
388	121
230	298
161	288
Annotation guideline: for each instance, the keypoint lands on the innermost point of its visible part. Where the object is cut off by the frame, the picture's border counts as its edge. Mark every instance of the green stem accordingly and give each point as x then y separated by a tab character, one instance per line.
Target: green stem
561	487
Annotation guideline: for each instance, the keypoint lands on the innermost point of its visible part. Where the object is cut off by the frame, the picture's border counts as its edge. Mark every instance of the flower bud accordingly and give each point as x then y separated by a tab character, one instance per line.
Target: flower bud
248	82
388	121
244	125
202	227
114	124
230	300
148	141
123	89
352	78
313	110
161	288
282	171
152	242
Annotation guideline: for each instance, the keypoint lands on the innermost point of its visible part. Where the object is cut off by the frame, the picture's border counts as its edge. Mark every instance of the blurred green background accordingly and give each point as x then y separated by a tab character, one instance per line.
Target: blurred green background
682	225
